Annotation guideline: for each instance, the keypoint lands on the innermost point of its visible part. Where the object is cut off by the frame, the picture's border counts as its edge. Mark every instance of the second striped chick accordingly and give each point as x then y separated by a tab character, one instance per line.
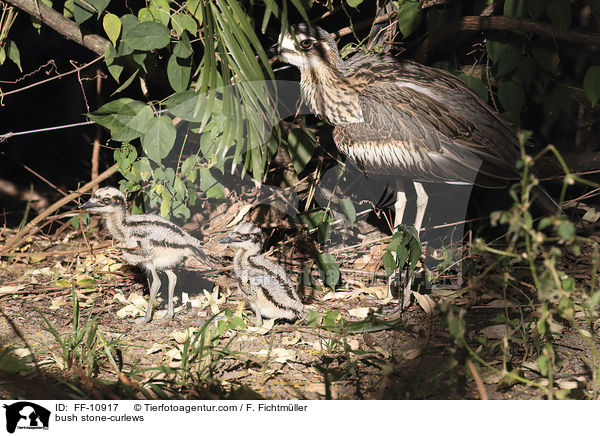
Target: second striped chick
265	284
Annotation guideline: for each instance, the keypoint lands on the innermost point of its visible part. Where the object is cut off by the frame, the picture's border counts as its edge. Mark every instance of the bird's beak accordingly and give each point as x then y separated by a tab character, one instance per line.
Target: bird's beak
88	205
226	240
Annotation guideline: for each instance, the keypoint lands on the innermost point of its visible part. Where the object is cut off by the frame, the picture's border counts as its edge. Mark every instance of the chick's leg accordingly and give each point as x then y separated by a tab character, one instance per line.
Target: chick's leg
154	288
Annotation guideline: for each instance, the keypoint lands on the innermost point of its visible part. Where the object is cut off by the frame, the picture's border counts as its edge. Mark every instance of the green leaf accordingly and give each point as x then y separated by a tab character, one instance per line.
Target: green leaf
546	56
495	49
159	138
181	22
559	12
330	271
2	55
591	84
301	147
409	17
312	218
190	105
536	8
83	10
160	11
144	14
389	263
354	3
12	51
126	118
112	27
511	96
508	60
148	35
515	8
195	8
525	71
179	72
183	49
127	82
566	230
476	85
348	208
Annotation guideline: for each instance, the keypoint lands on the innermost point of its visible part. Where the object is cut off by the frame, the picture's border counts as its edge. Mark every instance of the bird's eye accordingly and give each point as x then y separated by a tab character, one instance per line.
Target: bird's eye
106	200
306	44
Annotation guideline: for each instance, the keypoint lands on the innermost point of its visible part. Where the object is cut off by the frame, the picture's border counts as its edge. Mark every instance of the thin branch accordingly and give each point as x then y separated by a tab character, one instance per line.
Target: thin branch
512	24
32	226
60	76
62	25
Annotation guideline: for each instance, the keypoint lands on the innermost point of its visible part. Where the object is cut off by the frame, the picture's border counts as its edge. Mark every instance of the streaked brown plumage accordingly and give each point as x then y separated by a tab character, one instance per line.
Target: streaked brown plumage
397	117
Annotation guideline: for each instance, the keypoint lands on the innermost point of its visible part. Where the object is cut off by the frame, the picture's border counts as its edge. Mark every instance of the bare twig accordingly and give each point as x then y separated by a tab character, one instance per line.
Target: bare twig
32	226
480	387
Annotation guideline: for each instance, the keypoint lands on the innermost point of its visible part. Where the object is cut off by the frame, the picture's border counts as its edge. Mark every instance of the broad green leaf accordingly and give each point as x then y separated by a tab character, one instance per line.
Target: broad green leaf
126	118
348	208
508	60
389	263
591	84
536	8
148	35
515	8
195	8
312	218
112	27
83	10
183	49
301	147
511	96
409	17
181	22
354	3
12	51
68	8
495	49
144	14
566	230
160	11
330	271
546	56
525	71
159	138
476	85
2	55
179	72
190	105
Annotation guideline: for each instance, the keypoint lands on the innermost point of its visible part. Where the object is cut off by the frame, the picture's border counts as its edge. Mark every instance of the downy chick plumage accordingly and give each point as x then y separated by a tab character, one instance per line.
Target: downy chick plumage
149	241
265	284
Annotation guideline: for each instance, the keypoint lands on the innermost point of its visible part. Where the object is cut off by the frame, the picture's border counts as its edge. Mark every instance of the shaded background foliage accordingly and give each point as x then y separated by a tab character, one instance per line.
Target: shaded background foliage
541	80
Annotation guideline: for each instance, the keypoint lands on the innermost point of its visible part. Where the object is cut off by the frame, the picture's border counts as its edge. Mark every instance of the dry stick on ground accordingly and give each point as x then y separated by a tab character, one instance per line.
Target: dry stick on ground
31	227
480	387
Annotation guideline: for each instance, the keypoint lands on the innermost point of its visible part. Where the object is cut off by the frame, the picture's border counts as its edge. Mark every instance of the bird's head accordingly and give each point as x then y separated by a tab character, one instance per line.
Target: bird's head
245	235
309	47
105	201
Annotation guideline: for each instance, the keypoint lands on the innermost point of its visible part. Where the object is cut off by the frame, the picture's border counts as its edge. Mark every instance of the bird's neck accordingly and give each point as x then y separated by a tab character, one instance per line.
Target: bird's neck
115	222
328	94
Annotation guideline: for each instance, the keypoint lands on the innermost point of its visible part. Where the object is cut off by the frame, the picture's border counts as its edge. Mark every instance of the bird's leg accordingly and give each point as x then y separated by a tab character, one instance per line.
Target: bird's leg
399	207
154	288
258	317
172	281
400	203
422	200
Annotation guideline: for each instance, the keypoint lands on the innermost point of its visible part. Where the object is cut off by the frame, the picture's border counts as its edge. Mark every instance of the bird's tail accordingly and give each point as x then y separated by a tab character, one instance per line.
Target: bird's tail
207	259
544	199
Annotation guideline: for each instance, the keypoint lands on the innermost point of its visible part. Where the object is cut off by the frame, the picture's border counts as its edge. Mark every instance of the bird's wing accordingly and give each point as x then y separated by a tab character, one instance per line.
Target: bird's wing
407	131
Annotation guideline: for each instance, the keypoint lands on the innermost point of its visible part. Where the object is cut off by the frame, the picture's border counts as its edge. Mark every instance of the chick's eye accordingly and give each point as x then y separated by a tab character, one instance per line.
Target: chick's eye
106	200
306	44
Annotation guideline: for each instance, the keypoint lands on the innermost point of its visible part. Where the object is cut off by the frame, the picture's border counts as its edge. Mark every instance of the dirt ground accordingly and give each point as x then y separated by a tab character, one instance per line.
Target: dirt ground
414	358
